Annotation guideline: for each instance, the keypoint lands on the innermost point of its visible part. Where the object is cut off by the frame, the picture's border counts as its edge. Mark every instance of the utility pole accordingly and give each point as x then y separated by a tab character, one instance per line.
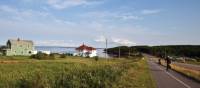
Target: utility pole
165	54
106	48
129	54
119	52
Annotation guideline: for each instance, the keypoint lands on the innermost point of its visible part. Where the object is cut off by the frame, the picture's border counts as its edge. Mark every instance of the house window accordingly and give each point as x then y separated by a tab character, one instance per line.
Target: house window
29	52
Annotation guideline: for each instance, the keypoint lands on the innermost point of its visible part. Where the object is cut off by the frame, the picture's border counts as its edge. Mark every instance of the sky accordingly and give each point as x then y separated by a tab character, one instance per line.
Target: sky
122	22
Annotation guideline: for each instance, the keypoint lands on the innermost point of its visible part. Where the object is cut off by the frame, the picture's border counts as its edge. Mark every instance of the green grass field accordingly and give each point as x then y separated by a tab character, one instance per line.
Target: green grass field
74	72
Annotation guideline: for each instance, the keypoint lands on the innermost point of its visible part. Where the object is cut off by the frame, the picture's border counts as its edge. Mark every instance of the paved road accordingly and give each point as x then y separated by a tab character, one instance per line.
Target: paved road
169	79
185	65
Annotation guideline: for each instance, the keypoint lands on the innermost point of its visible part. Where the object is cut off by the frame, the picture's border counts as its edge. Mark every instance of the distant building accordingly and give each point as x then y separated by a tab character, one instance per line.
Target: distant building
86	51
42	51
18	47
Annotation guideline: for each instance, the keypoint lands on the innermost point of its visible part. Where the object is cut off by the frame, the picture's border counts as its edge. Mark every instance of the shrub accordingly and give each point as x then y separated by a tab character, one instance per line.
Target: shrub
33	56
51	56
68	54
87	57
43	56
96	58
62	56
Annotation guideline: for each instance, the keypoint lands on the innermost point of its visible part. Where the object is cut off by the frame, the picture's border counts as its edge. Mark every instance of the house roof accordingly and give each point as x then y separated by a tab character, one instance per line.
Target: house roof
18	41
85	47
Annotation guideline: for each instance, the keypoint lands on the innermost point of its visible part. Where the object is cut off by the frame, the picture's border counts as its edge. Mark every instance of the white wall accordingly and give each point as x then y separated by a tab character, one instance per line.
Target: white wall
93	53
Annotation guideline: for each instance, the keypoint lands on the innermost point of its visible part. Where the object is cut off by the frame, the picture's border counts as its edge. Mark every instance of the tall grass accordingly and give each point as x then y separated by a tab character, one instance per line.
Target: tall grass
74	73
195	74
138	76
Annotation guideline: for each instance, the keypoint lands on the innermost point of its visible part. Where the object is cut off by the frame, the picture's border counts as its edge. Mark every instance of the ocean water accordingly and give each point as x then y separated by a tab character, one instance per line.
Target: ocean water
54	49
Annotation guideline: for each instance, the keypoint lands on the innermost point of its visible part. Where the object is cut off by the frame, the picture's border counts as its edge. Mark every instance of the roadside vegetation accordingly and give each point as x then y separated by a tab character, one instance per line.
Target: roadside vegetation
74	72
193	62
191	73
194	74
178	53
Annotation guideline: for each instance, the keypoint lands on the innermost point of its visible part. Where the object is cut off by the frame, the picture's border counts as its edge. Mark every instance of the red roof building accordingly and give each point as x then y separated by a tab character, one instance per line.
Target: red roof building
86	51
84	47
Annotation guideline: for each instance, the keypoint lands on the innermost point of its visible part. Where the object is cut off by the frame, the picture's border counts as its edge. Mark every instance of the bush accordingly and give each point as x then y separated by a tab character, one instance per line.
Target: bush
43	56
96	58
69	54
62	56
40	56
51	56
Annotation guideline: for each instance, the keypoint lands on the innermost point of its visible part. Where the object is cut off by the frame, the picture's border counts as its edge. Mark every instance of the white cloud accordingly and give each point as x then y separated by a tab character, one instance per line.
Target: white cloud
124	42
148	11
6	8
101	39
55	43
116	41
129	17
63	4
22	14
112	15
29	15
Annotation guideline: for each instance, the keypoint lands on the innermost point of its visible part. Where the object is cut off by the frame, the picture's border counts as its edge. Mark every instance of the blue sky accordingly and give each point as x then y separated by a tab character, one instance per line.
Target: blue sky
122	22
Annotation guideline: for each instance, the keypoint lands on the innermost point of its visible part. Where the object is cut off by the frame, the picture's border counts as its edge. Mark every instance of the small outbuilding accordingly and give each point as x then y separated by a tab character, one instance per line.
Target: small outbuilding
86	51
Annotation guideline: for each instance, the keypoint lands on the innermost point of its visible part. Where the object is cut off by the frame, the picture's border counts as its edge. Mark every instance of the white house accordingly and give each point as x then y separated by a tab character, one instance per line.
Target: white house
86	51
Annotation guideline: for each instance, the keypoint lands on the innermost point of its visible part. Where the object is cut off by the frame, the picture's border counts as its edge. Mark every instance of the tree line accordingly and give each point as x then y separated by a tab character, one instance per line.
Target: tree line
192	51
